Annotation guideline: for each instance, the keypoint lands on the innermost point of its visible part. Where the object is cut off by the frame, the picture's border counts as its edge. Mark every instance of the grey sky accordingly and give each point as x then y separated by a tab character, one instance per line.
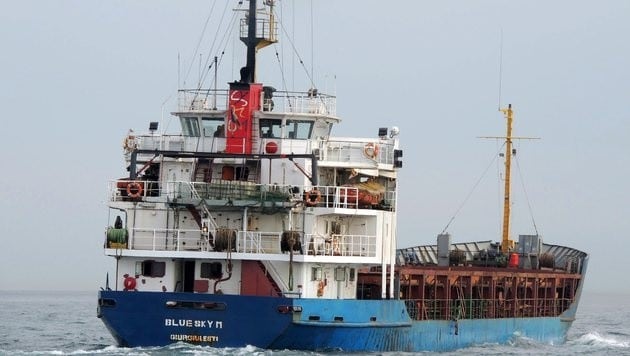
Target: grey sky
76	75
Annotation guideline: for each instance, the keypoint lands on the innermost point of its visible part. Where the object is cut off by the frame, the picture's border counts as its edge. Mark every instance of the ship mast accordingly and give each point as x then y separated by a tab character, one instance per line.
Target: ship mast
261	32
507	244
244	97
250	74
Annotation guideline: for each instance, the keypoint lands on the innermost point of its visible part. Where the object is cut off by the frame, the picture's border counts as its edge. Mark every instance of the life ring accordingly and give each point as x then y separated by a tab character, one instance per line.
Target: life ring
129	283
371	150
320	288
134	190
313	197
130	144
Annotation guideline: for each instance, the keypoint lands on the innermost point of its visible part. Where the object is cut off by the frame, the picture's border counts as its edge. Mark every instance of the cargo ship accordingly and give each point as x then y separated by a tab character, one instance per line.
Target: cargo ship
254	226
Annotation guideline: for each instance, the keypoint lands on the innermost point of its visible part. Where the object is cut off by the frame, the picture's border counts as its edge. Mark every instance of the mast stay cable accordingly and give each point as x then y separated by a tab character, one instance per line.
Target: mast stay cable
284	82
529	206
208	58
297	53
203	32
473	189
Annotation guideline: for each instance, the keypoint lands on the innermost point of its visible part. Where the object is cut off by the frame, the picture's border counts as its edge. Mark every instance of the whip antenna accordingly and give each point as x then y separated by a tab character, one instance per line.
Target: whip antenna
500	64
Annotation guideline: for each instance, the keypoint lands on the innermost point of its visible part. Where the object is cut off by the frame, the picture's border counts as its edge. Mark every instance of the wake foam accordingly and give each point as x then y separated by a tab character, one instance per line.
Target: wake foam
596	339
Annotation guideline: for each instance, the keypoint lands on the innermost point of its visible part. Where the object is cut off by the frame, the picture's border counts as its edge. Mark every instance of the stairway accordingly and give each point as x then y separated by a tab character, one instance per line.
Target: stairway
200	219
269	278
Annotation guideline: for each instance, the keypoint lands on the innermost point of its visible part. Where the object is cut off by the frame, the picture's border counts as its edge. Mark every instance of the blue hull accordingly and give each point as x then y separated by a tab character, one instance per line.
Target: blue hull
157	319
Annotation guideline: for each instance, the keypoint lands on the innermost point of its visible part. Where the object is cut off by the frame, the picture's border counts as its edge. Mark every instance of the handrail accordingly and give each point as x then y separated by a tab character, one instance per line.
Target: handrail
203	100
253	242
339	245
349	197
463	308
276	276
370	153
213	226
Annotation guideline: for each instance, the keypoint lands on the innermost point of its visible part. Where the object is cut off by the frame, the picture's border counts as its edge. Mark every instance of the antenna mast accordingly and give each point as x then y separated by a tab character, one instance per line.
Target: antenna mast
216	72
507	244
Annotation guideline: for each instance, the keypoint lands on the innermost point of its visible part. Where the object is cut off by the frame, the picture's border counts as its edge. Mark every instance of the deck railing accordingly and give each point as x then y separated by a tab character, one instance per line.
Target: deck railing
163	142
191	100
367	153
167	240
340	245
290	102
456	309
255	242
326	196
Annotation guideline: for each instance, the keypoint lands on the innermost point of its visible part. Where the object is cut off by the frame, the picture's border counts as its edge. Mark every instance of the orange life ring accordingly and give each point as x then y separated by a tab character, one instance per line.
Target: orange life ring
129	283
320	288
371	150
313	197
134	190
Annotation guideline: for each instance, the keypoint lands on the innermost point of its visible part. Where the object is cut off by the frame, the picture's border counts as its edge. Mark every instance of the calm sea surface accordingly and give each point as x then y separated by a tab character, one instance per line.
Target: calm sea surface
65	323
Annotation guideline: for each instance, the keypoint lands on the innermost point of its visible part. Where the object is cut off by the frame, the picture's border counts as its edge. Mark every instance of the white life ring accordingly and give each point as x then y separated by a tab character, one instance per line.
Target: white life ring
371	150
130	143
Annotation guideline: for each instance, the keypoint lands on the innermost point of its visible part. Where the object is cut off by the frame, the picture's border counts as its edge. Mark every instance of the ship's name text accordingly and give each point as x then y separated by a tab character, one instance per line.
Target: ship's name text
189	323
195	338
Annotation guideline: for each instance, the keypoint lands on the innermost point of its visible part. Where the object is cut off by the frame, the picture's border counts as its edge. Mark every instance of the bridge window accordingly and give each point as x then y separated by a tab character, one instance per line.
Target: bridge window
190	126
270	128
299	130
213	127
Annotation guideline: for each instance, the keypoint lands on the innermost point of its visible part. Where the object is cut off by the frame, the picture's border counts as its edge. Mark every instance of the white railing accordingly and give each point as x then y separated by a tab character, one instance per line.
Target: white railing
258	242
191	100
204	100
340	245
167	240
368	153
254	242
120	189
276	276
263	242
304	103
329	196
179	143
338	197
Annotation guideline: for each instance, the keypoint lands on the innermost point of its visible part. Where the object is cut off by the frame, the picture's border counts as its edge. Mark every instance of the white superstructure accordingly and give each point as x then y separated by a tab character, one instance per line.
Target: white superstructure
196	217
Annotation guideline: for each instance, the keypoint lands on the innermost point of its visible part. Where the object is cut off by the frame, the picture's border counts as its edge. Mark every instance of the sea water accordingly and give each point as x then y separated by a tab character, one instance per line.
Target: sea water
65	323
